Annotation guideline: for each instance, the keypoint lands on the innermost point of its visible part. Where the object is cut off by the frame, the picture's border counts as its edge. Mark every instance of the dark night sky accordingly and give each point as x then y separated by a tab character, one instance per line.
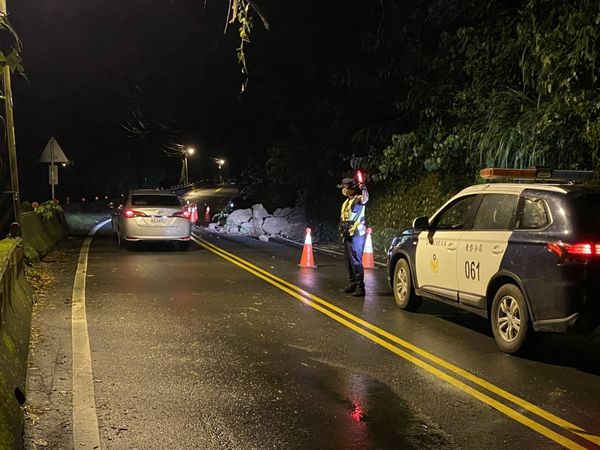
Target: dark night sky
88	62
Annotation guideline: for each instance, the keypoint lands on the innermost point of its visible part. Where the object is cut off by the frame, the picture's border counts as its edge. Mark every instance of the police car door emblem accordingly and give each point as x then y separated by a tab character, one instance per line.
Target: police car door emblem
434	264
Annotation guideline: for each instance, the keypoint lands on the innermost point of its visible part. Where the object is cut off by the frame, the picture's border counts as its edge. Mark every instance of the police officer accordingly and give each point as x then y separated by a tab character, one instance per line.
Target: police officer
353	230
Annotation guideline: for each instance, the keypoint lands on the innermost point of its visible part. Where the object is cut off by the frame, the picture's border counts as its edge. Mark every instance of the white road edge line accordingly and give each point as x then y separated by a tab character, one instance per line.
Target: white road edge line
85	420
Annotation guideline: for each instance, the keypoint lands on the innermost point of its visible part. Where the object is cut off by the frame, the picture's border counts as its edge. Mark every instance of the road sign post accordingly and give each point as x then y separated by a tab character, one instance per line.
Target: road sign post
53	154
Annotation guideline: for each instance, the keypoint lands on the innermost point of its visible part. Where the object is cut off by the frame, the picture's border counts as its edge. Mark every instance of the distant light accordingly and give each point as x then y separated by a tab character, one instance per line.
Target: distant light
231	204
191	150
64	164
96	198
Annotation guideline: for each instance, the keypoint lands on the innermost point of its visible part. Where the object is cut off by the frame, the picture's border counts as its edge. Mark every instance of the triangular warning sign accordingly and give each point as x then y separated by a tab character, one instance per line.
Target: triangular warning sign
53	153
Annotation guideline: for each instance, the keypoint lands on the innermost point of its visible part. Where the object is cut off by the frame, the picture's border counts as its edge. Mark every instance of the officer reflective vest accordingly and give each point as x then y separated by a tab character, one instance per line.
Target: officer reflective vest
354	211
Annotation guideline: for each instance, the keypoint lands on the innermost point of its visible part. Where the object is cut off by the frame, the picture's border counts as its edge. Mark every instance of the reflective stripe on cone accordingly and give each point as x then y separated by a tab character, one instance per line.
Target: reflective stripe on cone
368	261
307	260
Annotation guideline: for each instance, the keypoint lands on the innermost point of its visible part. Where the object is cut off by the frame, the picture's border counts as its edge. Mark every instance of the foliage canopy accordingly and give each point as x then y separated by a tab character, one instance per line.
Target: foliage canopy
10	51
520	88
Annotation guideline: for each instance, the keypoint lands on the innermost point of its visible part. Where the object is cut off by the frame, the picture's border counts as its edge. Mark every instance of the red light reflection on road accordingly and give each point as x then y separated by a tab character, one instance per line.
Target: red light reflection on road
357	412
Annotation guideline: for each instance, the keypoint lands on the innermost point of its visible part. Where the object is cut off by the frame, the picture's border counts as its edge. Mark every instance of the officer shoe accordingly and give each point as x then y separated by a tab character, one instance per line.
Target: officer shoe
359	292
350	288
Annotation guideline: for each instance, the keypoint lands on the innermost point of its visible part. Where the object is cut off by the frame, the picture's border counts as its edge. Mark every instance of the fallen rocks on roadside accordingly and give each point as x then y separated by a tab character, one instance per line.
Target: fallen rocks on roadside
282	212
257	222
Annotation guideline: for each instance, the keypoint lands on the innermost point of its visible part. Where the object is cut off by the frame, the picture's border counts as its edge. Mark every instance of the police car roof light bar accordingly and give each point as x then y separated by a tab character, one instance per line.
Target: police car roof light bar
535	173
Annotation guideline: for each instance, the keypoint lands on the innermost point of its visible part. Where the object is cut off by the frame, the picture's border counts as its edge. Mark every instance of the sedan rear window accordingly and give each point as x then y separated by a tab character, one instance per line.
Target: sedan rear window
155	200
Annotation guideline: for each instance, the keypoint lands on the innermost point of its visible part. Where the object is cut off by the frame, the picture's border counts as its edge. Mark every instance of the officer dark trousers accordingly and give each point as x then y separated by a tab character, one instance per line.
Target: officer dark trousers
353	250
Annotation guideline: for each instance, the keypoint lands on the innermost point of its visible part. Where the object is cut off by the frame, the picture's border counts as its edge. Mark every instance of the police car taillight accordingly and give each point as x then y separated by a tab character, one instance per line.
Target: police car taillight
578	251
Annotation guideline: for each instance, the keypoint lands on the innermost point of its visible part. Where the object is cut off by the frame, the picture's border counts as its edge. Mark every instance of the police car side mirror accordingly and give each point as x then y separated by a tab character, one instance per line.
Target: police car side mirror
421	223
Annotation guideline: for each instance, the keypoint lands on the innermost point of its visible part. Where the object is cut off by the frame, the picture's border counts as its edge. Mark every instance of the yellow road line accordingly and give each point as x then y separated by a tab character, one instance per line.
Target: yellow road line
311	299
457	370
85	419
218	190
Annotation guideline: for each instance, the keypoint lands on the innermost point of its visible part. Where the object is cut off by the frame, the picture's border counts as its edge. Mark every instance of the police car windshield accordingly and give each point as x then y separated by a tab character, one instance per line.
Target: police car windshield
587	205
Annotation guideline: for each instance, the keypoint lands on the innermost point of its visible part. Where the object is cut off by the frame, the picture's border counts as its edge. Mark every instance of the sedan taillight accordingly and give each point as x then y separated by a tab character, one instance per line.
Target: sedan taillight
129	213
185	213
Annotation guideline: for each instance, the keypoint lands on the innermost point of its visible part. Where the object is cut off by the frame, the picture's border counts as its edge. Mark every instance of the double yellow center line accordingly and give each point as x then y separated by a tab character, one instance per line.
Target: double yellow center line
565	433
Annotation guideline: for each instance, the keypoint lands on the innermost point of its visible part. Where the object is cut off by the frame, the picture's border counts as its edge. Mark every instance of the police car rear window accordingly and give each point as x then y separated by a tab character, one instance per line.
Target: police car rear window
155	200
587	207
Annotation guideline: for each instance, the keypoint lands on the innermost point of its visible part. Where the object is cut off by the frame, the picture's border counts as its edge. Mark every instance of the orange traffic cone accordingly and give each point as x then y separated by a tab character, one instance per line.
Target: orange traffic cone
368	261
207	214
194	214
307	260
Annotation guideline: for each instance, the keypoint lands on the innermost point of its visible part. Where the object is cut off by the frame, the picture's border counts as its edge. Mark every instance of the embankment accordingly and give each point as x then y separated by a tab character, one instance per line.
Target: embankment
16	301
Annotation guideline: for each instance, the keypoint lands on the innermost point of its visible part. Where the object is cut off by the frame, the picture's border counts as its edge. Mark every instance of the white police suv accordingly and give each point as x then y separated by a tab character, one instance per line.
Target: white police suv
526	256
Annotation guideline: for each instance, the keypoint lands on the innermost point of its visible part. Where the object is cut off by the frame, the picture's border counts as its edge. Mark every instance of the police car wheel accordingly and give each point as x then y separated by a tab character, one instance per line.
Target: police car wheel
404	293
510	318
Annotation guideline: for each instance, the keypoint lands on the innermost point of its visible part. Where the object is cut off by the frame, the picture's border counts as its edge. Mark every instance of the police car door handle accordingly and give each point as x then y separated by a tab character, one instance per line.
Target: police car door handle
497	249
451	247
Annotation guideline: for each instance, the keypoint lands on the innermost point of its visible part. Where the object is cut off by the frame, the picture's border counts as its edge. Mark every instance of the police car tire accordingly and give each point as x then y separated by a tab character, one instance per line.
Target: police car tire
404	293
507	338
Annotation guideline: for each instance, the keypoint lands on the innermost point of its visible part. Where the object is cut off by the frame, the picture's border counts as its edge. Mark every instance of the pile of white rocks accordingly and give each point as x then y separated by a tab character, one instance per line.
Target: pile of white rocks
257	222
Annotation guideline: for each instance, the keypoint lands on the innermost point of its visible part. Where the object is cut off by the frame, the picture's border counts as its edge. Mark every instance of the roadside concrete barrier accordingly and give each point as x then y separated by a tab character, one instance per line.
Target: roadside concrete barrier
15	321
42	235
16	300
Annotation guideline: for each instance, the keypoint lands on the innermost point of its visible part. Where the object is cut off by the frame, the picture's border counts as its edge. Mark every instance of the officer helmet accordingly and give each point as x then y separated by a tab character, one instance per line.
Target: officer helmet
347	183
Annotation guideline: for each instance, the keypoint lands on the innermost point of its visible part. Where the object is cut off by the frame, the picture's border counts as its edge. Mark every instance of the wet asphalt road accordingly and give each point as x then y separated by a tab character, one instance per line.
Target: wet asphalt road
192	351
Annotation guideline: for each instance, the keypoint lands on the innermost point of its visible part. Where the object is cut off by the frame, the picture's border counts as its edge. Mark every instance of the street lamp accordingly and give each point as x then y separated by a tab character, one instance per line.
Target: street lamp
176	150
185	153
220	163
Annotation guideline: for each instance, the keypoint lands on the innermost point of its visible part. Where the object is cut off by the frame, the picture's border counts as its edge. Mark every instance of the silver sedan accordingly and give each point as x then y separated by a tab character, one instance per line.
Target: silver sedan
151	215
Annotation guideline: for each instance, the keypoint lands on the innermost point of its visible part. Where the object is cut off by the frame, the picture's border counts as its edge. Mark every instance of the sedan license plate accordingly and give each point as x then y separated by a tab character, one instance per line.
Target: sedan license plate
158	220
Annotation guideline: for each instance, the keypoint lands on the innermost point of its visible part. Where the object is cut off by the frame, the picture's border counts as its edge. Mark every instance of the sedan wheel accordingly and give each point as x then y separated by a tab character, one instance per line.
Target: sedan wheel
183	245
510	318
404	293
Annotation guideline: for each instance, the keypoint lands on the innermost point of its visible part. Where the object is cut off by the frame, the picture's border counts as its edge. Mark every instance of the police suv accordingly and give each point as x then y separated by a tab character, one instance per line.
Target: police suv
525	256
